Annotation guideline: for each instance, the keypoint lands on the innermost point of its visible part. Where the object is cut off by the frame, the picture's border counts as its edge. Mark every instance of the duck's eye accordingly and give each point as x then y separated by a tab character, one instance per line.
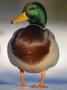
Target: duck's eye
32	8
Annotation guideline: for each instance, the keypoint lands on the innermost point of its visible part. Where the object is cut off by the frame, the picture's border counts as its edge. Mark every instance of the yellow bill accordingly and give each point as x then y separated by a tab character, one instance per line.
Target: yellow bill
21	18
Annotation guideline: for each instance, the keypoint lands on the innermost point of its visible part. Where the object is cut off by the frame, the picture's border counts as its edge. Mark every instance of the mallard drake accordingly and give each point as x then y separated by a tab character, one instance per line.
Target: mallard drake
33	49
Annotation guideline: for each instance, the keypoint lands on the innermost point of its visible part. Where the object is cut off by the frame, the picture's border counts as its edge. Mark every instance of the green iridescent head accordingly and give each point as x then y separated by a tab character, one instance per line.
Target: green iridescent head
35	13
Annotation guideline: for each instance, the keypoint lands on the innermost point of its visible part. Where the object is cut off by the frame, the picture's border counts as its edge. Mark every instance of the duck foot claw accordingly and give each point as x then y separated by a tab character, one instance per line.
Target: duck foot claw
39	86
33	86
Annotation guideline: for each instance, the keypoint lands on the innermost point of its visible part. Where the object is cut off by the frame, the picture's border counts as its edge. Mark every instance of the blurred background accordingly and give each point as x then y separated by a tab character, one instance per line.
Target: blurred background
57	23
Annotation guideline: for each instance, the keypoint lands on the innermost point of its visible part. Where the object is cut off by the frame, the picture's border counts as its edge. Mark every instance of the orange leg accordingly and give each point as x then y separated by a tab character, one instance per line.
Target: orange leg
42	84
23	83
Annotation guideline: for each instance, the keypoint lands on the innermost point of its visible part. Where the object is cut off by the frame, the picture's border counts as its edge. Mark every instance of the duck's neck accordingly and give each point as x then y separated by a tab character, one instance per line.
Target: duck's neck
39	21
38	24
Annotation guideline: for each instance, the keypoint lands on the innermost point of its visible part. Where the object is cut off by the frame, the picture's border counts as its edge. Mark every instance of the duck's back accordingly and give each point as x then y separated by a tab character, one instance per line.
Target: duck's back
30	44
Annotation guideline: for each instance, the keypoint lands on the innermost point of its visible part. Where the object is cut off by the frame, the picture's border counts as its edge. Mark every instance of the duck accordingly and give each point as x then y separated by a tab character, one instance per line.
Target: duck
33	48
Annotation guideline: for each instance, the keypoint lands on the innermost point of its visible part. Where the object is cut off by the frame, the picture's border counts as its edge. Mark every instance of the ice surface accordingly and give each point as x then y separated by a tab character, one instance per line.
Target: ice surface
51	87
